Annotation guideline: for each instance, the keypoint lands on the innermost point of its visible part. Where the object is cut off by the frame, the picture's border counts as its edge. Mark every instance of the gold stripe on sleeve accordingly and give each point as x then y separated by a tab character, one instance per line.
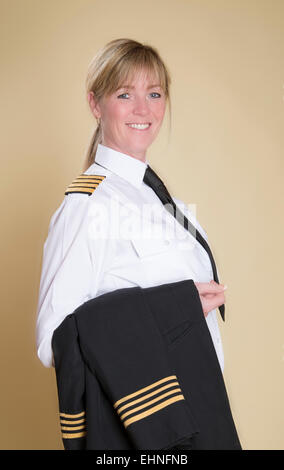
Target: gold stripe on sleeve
152	410
144	389
74	436
77	415
72	428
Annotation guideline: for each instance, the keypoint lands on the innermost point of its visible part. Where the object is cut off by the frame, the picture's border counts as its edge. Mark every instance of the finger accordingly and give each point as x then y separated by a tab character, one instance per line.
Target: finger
210	303
209	287
218	284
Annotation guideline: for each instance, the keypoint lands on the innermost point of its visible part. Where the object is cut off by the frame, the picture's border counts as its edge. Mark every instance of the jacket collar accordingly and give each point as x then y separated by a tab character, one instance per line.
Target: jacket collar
123	165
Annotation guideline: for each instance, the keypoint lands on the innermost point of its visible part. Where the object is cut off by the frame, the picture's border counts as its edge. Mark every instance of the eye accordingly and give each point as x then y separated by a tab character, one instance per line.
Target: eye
158	95
123	94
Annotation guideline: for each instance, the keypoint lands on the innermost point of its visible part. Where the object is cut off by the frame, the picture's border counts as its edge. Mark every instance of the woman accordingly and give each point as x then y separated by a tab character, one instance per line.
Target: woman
108	232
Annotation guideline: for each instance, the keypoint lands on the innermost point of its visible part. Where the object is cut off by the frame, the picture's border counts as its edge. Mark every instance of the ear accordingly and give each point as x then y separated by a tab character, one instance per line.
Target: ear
94	104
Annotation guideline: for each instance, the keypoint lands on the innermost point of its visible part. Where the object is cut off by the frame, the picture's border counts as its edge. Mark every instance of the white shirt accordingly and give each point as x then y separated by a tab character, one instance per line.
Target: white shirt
119	236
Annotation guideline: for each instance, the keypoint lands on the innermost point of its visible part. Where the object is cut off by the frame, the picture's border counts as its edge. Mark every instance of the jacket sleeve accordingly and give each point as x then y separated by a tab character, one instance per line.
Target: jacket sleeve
70	378
72	268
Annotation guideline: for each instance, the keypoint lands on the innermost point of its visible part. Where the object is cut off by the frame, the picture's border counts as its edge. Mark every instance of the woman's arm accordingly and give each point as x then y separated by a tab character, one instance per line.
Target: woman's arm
70	274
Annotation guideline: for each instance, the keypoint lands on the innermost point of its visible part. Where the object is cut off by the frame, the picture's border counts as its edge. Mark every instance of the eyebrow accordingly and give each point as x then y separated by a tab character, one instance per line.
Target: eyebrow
131	87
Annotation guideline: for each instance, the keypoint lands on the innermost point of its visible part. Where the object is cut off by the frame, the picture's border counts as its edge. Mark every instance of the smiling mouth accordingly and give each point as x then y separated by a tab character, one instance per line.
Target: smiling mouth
139	126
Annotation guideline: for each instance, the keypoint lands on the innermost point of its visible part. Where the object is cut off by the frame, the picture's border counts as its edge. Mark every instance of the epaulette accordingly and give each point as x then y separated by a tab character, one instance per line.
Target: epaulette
85	184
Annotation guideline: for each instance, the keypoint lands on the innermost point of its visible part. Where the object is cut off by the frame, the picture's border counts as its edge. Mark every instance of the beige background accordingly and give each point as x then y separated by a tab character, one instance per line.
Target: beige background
224	154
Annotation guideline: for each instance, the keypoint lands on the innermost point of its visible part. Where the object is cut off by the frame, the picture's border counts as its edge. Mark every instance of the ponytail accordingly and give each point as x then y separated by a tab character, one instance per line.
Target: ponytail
91	152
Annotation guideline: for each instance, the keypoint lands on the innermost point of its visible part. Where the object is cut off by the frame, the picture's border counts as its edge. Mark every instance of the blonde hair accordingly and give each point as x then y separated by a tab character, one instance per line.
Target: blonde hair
109	69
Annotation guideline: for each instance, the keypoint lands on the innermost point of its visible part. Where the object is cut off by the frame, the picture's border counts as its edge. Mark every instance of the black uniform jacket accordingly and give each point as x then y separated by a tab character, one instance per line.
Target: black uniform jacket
136	368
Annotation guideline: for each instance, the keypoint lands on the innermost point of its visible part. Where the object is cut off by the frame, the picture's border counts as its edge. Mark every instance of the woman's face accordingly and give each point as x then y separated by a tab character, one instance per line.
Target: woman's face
141	102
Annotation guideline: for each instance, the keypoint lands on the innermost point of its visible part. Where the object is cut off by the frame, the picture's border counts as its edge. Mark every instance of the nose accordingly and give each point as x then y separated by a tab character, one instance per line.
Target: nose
141	106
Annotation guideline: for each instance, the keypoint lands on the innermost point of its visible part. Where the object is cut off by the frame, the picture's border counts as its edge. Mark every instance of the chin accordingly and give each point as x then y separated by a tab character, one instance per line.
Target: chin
138	149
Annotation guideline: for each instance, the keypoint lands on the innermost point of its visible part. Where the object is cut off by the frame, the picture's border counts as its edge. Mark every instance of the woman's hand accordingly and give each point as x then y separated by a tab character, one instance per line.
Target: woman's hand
211	295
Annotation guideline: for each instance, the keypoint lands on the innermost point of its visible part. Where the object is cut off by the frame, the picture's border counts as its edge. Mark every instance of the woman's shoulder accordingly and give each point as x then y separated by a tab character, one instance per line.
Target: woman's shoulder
87	183
87	190
75	197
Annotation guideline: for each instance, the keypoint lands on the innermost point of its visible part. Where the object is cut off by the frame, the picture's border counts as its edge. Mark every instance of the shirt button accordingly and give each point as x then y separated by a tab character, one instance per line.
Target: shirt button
167	242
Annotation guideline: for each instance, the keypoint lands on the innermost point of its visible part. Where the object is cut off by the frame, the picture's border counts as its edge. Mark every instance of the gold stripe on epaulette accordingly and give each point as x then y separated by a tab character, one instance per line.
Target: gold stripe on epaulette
147	399
85	184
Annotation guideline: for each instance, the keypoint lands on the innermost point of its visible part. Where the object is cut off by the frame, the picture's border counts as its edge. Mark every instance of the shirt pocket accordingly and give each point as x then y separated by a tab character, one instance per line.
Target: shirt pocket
150	247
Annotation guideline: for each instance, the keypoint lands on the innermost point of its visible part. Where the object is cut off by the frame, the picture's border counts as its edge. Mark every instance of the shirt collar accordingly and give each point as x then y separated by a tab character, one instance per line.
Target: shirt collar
129	168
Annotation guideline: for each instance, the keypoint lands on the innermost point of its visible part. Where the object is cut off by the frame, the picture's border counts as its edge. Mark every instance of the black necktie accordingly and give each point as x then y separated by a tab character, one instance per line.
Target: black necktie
153	180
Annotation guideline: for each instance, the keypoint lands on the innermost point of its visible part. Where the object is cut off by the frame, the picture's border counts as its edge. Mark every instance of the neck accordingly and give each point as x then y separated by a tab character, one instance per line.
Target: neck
138	155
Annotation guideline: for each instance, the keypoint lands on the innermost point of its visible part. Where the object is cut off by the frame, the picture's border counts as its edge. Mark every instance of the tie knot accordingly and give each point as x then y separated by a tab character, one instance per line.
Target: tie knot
152	179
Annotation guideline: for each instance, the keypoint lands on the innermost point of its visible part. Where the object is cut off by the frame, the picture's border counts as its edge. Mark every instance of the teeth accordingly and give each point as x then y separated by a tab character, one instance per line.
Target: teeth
139	126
